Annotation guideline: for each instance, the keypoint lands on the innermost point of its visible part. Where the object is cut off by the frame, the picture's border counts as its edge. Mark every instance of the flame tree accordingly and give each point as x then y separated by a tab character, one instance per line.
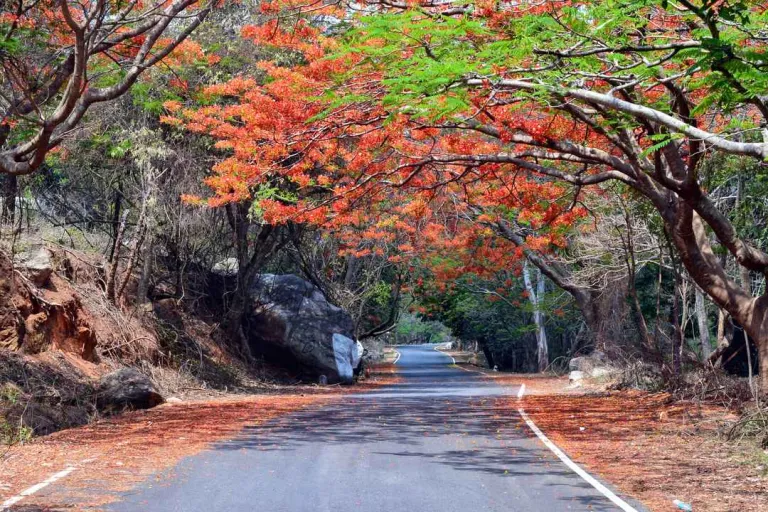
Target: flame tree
644	94
60	57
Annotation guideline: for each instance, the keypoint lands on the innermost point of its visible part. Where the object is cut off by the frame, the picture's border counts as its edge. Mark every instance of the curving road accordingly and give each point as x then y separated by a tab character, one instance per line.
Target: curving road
430	443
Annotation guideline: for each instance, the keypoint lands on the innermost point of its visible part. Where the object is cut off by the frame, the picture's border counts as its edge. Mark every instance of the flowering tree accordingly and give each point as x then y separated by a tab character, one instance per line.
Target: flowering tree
588	93
61	57
427	96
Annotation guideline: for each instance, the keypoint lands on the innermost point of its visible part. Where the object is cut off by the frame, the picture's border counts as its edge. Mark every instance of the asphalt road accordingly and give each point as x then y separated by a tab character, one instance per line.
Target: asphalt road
430	443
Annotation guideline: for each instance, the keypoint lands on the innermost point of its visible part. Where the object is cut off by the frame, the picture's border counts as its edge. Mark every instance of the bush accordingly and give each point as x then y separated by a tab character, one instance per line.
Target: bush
11	432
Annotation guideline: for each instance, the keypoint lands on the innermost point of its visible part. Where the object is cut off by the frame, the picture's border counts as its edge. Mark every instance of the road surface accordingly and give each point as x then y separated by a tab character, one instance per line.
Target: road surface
430	443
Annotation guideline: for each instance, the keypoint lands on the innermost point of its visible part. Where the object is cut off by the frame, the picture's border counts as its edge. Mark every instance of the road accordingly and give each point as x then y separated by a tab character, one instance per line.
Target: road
430	443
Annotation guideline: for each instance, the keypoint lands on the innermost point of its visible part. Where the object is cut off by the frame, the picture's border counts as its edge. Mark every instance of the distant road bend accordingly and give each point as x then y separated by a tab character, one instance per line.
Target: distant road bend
429	443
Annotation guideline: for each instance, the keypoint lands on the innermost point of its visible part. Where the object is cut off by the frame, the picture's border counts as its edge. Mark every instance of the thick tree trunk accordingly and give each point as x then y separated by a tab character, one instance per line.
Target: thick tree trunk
691	240
488	354
589	308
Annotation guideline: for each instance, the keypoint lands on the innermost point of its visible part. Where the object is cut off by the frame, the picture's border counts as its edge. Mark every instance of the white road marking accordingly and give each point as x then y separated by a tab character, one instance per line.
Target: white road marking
32	490
397	358
623	505
437	349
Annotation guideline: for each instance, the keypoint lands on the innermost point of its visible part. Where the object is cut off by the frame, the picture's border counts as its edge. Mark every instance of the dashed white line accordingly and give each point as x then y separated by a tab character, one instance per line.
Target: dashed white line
32	490
623	505
521	392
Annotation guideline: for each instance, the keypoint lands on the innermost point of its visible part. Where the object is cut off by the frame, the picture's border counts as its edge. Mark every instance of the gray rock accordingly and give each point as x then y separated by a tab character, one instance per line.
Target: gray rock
227	267
36	265
588	363
292	315
576	376
126	388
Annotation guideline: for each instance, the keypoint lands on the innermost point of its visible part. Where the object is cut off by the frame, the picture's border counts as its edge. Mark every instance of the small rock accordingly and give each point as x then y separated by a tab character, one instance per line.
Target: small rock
174	400
322	380
36	265
576	376
227	267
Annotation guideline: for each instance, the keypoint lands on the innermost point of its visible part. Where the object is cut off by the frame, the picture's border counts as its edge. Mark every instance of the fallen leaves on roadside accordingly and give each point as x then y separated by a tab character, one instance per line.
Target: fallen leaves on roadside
650	447
123	451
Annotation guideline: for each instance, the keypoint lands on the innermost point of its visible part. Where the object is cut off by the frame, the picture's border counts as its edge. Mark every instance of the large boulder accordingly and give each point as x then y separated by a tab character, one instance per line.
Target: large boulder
293	316
126	388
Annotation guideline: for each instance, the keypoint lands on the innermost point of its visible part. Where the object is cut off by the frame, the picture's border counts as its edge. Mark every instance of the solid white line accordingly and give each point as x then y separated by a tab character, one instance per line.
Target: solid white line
623	505
397	358
436	349
521	392
32	490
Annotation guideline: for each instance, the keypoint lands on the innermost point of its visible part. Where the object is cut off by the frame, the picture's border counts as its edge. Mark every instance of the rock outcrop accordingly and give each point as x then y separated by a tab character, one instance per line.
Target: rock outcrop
35	320
293	315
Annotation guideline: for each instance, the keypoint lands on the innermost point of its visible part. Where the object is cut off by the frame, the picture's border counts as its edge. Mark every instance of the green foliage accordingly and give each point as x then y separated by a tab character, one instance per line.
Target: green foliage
412	329
504	327
426	59
11	433
150	98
